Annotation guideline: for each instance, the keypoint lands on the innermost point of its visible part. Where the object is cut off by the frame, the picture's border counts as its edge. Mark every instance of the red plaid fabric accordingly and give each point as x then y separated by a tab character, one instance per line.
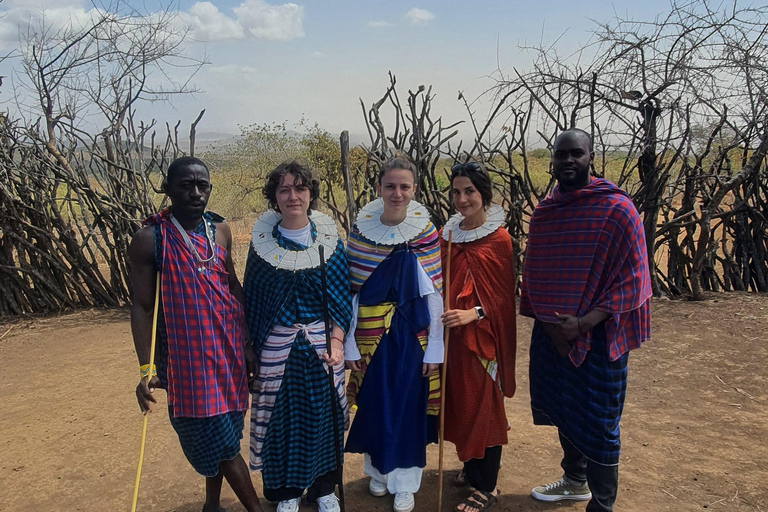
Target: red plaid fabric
204	322
586	250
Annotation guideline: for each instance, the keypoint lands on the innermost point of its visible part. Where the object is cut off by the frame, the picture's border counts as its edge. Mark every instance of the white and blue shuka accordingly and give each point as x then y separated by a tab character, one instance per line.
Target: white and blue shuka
292	425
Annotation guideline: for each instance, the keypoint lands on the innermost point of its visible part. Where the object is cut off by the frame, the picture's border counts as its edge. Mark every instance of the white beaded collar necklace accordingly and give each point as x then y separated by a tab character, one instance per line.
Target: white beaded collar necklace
370	226
494	218
265	245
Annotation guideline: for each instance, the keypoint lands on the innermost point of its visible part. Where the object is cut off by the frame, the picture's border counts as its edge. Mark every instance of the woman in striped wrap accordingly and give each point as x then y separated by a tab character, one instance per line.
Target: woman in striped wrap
292	424
395	341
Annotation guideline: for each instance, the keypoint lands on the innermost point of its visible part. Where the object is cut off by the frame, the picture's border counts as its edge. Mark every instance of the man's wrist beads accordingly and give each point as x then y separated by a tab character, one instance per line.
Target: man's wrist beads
146	371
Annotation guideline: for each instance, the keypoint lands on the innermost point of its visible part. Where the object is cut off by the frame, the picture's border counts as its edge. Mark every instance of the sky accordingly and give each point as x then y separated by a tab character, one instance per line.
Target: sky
275	62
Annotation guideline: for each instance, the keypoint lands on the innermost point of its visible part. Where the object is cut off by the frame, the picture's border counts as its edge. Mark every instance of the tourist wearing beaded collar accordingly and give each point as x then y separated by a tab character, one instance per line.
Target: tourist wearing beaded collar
394	257
480	365
292	415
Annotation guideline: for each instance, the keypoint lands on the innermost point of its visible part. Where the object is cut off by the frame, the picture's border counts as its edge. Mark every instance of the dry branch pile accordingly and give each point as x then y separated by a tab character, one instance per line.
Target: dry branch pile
65	228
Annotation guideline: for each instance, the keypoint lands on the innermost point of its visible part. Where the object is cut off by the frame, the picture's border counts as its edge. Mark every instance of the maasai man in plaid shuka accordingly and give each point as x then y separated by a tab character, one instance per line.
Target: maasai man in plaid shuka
201	340
292	415
397	339
586	283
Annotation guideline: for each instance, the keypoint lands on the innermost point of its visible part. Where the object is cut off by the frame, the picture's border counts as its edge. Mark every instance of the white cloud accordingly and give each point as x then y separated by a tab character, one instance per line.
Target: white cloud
380	24
251	19
318	54
271	22
37	5
37	16
209	24
419	16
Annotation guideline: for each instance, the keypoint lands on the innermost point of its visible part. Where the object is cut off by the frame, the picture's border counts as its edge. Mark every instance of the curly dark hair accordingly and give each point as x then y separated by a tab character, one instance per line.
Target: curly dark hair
303	175
479	177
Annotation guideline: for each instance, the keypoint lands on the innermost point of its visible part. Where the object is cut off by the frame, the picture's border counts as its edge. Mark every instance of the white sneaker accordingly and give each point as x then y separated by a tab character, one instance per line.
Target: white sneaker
328	503
288	505
404	502
377	488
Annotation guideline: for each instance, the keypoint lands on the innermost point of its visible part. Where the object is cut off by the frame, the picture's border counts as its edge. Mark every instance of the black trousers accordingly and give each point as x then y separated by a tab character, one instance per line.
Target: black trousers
322	486
482	474
603	480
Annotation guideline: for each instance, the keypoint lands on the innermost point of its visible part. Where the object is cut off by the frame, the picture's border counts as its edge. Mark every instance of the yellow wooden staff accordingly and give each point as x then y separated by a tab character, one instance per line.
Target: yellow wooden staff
149	377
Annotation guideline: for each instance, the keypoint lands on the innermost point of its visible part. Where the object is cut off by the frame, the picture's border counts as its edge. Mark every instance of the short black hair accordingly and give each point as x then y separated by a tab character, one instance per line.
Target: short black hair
479	177
580	132
182	163
399	161
301	171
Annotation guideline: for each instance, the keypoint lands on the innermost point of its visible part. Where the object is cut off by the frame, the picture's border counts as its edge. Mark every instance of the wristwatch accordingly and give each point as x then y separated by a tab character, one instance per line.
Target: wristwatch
480	312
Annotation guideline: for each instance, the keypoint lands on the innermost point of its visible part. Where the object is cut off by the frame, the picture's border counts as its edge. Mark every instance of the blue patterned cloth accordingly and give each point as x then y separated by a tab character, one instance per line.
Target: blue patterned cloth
391	423
206	442
299	443
283	297
299	446
585	402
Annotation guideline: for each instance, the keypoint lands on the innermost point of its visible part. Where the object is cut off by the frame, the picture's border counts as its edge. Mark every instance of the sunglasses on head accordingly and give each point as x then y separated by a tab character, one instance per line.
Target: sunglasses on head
469	166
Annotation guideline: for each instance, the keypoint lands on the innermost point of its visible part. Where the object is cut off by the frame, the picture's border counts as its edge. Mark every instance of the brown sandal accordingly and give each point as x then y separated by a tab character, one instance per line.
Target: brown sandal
480	500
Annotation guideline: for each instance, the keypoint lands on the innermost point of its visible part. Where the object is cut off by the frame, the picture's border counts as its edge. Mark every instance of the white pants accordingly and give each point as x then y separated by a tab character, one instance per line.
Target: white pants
397	480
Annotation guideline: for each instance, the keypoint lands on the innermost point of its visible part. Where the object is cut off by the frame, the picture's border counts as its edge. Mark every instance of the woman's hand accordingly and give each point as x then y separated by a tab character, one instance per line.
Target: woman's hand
429	369
336	355
353	365
457	317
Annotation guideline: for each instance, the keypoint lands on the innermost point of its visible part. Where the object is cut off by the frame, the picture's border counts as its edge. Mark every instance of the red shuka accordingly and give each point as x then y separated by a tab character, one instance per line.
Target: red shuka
482	273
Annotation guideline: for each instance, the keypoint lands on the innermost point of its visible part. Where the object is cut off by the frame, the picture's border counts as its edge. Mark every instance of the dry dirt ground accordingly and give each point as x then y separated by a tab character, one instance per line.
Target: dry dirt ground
694	431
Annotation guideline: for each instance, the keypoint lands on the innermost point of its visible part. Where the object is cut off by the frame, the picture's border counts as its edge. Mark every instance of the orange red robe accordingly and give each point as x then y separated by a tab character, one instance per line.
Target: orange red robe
482	273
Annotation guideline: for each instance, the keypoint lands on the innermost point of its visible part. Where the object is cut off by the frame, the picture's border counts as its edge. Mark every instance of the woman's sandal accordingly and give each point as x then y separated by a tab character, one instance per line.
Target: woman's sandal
480	500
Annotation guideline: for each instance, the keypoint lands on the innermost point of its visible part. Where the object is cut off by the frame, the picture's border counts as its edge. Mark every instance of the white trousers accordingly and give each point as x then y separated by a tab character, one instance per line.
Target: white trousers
397	480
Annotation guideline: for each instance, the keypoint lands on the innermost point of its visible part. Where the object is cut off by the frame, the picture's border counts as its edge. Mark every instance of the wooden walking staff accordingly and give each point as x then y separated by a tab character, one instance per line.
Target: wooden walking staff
335	405
149	377
446	333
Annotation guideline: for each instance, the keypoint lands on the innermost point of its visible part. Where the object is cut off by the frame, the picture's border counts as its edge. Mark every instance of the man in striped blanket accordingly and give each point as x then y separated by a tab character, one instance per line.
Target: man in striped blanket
586	283
200	354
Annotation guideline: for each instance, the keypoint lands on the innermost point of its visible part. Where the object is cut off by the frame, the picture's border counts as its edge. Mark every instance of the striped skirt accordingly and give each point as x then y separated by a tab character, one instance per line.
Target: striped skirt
291	412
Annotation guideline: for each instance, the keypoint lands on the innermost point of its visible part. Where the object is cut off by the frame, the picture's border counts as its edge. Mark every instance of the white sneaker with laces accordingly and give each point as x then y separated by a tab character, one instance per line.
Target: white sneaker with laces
328	503
291	505
377	488
404	502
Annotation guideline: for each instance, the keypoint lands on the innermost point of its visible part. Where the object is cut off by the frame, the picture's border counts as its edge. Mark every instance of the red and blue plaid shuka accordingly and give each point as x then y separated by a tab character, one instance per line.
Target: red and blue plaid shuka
586	250
204	323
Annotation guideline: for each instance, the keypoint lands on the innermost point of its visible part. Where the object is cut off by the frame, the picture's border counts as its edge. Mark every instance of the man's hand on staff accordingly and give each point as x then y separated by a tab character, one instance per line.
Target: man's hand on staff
144	393
251	364
457	317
